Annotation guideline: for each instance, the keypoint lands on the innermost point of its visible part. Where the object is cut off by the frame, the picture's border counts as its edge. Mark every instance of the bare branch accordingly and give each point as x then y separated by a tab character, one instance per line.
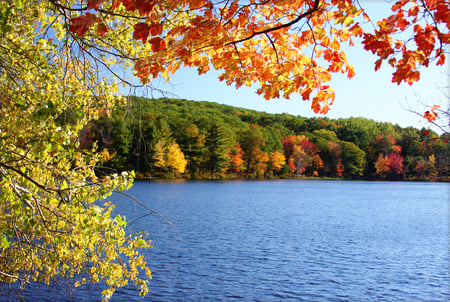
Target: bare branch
149	209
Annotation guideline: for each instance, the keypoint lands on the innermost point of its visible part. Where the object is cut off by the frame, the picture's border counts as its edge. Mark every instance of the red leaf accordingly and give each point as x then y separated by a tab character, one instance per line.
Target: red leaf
102	29
430	116
115	4
158	44
145	7
378	64
441	60
141	31
94	4
306	93
80	25
130	5
155	29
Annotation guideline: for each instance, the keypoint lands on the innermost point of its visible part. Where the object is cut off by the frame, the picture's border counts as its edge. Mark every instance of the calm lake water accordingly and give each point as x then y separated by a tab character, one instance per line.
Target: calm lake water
291	240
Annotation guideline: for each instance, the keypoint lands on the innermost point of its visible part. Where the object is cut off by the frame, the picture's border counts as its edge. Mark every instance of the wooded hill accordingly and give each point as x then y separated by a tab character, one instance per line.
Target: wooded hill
167	138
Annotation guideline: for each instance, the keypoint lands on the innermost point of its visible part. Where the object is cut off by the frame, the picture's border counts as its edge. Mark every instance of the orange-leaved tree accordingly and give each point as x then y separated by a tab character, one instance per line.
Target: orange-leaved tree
283	46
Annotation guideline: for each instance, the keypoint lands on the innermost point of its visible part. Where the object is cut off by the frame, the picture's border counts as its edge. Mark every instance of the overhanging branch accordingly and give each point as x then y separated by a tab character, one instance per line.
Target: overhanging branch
285	25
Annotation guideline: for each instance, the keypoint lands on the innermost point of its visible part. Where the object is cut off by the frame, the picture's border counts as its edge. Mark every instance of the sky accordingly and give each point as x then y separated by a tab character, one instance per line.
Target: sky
369	94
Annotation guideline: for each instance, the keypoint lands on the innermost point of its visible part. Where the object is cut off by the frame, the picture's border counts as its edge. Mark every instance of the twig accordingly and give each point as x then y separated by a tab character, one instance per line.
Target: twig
151	210
14	277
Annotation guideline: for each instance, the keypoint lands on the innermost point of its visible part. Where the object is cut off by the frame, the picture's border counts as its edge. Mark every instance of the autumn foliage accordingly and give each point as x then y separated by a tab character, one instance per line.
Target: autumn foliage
261	145
61	63
283	46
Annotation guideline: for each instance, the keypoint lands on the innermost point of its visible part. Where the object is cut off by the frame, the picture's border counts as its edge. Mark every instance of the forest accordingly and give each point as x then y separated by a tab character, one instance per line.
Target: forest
174	138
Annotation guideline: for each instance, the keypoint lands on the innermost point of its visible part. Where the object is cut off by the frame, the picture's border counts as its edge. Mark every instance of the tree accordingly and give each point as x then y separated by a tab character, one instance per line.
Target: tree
219	143
382	165
390	165
353	159
277	161
335	158
258	164
259	42
339	169
236	155
396	165
193	145
252	142
302	155
160	154
52	220
58	71
175	158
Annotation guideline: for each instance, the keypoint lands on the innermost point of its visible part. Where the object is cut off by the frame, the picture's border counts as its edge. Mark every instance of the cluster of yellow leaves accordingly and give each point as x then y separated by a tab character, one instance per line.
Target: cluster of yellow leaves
169	155
277	160
175	158
51	221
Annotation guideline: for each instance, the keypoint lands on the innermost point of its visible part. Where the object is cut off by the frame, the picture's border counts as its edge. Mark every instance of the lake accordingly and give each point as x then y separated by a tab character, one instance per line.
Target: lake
291	240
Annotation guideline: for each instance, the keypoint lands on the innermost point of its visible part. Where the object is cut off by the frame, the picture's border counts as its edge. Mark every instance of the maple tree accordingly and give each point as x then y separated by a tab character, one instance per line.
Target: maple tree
252	143
302	155
390	165
339	169
61	61
258	163
336	155
259	41
236	155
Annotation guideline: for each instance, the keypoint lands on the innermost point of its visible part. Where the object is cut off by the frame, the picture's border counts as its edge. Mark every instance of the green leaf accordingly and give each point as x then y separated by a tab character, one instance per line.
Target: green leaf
4	243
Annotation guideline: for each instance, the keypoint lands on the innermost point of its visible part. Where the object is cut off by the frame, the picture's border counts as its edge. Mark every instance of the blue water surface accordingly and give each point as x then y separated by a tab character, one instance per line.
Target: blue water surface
288	240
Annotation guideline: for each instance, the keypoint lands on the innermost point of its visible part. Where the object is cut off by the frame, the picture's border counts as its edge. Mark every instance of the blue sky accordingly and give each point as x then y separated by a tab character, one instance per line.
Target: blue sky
369	94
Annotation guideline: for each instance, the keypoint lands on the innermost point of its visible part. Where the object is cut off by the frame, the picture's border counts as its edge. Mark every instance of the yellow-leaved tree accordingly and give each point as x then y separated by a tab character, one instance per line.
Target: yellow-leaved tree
60	61
52	220
175	158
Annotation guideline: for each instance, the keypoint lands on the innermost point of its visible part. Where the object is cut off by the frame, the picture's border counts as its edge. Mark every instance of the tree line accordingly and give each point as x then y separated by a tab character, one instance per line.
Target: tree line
174	138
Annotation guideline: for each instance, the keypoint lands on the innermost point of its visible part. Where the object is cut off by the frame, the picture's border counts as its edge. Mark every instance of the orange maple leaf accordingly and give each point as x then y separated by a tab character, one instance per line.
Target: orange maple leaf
430	115
441	59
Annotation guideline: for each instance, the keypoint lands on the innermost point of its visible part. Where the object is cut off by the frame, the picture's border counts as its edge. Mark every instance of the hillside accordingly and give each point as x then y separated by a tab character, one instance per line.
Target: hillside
182	138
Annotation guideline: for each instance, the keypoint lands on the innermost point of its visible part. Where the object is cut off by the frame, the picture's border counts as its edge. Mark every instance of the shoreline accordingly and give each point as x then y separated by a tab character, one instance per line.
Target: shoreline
180	179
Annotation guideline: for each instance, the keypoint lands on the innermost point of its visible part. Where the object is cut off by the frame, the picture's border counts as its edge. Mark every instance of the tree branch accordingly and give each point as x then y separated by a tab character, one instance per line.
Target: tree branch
151	210
14	277
285	25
